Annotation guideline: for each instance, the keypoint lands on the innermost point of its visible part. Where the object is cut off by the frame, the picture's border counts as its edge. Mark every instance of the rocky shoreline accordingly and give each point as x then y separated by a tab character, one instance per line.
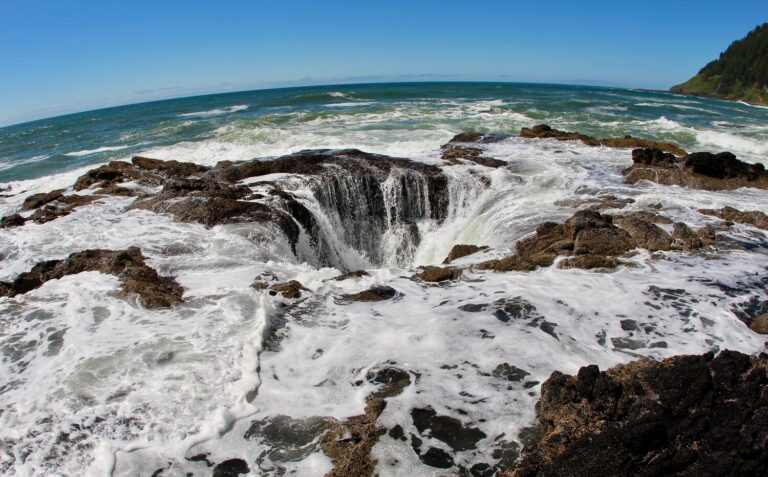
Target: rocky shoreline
688	415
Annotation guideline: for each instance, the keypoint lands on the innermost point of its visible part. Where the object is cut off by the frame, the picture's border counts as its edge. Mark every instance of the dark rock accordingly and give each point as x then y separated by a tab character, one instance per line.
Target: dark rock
543	131
454	154
377	293
686	415
128	265
446	429
700	170
393	381
477	137
231	468
291	289
438	458
459	251
437	274
590	262
481	470
754	218
13	220
509	372
37	200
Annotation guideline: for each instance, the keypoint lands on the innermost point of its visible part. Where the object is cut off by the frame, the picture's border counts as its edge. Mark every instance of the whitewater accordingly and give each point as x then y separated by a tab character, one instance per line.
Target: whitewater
94	383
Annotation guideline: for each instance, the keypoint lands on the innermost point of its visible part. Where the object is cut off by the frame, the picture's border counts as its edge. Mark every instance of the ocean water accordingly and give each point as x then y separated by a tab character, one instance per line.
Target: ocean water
94	384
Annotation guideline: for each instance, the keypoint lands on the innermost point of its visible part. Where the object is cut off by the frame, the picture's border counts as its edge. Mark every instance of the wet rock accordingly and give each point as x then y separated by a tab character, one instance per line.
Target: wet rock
477	137
686	415
701	170
128	265
231	468
754	218
437	274
760	324
446	429
353	274
645	234
590	262
291	289
459	251
60	207
13	220
377	293
435	457
392	381
454	154
646	216
481	470
145	171
543	131
509	372
348	443
38	200
288	439
686	238
585	233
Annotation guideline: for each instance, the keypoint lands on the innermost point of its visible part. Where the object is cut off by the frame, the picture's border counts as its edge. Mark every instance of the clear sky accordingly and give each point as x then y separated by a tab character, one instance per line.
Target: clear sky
62	56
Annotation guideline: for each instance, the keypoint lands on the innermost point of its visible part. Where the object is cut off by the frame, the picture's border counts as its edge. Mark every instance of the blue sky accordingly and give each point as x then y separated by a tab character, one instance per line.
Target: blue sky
64	56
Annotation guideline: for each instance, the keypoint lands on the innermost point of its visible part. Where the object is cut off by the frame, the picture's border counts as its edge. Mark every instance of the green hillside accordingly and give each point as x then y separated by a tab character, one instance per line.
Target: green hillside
741	72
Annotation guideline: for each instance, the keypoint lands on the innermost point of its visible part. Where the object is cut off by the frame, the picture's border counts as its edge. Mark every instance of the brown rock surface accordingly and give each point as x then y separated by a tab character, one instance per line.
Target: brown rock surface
377	293
437	274
128	265
349	443
459	251
683	416
754	218
543	131
645	234
760	324
291	289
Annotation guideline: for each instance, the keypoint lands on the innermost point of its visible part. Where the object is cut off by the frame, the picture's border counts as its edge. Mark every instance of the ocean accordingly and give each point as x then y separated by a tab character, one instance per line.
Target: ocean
92	383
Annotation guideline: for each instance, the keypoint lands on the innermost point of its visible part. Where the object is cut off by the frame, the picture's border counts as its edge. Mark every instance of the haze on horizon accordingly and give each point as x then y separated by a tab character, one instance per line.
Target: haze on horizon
60	58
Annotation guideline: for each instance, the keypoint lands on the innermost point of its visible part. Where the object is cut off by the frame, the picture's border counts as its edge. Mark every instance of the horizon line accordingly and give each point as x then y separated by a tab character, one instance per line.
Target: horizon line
203	92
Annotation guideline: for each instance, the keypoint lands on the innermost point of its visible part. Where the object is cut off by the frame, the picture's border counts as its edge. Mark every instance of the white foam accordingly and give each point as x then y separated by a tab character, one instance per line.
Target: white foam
88	152
216	112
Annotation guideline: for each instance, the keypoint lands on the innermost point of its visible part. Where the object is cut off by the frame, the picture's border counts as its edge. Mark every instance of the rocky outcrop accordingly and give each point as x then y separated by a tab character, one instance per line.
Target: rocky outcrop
349	443
755	218
687	415
586	233
127	265
353	274
476	137
291	289
377	293
455	154
145	171
437	274
543	131
645	234
13	220
459	251
700	170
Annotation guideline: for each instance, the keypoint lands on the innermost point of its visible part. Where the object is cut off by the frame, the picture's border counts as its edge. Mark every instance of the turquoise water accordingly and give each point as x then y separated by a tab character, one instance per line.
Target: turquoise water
401	118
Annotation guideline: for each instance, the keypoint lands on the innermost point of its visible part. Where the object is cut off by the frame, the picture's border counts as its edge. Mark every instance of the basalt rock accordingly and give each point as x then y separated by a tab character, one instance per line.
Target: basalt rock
754	218
683	416
645	234
377	293
291	289
37	200
437	274
146	171
353	274
544	131
700	170
459	251
454	154
13	220
585	233
127	265
476	137
685	237
349	443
